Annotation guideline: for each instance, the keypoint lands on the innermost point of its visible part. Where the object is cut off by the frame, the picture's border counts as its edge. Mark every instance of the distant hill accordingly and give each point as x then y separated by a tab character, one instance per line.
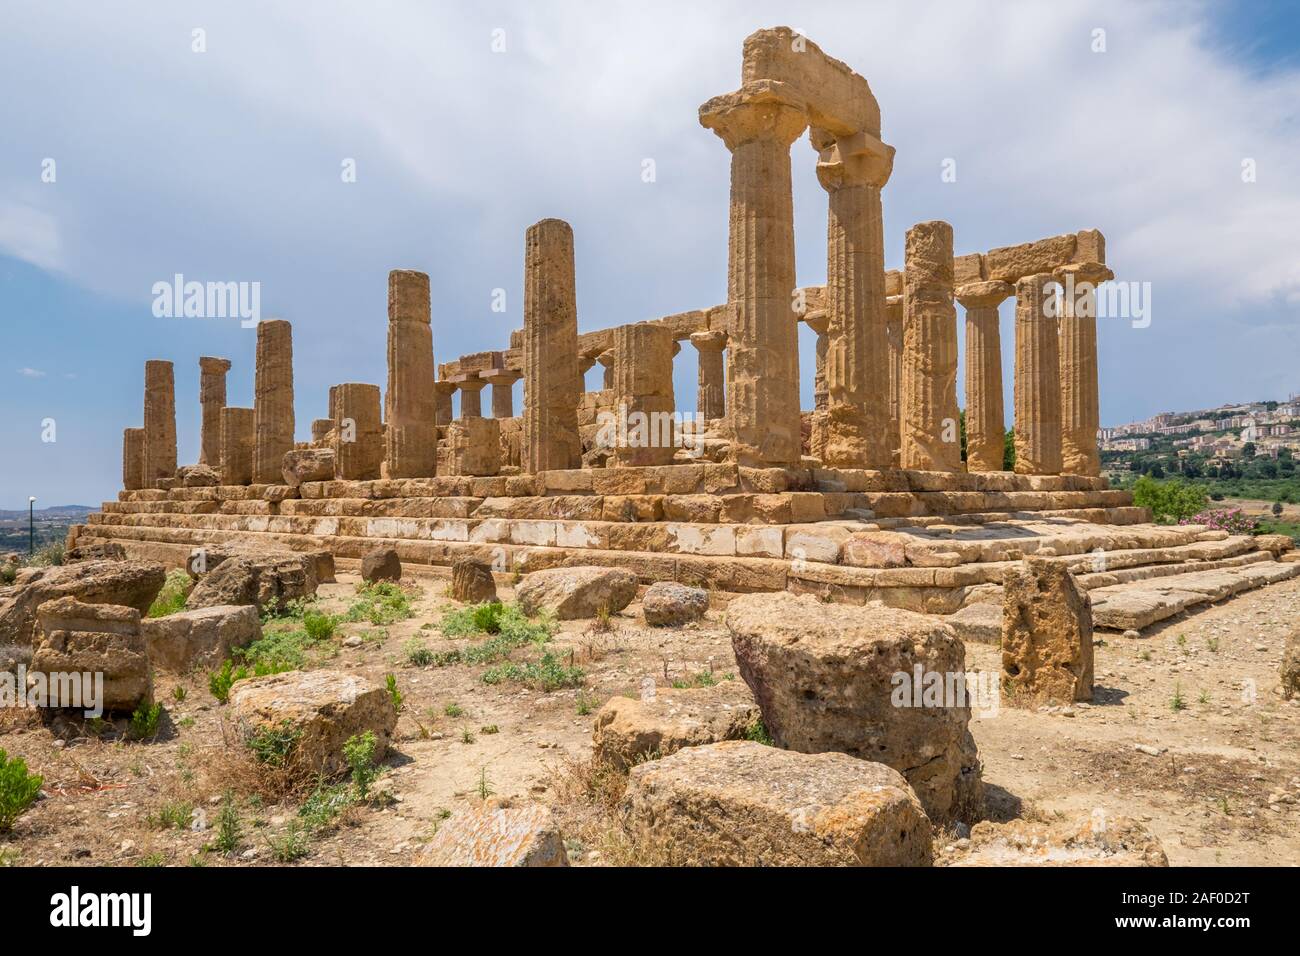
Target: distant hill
52	513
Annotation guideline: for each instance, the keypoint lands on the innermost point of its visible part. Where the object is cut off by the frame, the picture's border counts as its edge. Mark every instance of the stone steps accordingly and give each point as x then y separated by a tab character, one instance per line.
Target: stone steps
1139	604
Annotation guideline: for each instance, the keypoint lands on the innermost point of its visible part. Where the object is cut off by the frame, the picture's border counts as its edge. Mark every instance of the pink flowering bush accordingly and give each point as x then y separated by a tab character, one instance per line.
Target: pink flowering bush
1231	520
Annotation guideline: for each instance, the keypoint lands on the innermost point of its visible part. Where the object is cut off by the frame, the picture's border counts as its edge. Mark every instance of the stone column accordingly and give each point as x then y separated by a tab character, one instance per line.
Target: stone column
502	382
1037	391
1080	405
985	421
606	360
856	417
758	123
643	395
931	429
159	449
819	321
894	344
442	393
132	459
411	439
320	429
471	395
212	399
237	444
550	421
711	396
358	432
272	401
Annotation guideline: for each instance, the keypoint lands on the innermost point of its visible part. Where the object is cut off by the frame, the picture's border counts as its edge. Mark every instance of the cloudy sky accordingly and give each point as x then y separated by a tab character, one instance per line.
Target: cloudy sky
226	164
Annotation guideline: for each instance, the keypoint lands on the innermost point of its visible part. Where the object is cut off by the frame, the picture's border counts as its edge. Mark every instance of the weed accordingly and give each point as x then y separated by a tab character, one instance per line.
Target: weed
1203	697
289	846
545	675
274	746
417	654
359	753
319	626
484	786
395	695
380	603
1177	702
229	827
144	722
489	729
698	679
758	732
18	790
466	737
453	709
173	815
326	803
179	693
584	705
1213	644
151	860
175	589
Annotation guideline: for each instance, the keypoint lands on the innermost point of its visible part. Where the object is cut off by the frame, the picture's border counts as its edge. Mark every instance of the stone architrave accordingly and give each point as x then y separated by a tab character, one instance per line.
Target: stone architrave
985	421
550	421
411	440
272	400
931	431
758	123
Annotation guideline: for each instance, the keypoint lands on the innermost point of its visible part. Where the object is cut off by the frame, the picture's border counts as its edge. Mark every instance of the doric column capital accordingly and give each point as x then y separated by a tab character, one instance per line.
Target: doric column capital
445	387
762	110
857	160
983	295
501	377
606	358
469	382
1090	272
819	320
208	363
714	341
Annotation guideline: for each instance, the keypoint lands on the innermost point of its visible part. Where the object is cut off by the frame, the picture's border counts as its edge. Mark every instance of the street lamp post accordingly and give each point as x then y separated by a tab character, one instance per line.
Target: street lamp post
31	525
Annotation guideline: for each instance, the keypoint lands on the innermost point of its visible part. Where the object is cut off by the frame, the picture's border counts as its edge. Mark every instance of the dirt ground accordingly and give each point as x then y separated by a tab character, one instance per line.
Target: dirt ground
1218	780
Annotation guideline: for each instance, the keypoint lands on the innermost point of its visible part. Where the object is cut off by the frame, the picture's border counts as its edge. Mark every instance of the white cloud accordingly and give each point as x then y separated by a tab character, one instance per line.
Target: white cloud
31	373
30	234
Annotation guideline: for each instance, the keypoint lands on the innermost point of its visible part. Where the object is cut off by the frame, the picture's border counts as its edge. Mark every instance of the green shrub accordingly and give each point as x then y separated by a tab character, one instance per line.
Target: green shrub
289	846
221	682
320	810
229	827
1169	500
380	603
395	695
18	790
757	732
546	675
417	654
359	753
173	815
274	746
175	589
8	572
319	626
144	722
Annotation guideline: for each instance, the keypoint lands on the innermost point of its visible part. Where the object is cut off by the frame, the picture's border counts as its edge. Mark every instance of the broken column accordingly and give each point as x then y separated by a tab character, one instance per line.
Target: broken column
710	401
502	382
411	439
931	430
473	446
550	421
985	422
894	359
1037	391
643	395
272	401
1080	407
132	459
442	393
758	123
159	449
1046	633
237	442
358	432
853	170
212	399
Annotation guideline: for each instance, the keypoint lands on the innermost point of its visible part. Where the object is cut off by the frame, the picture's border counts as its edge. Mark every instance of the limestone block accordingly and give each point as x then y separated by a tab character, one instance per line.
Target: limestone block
96	639
309	464
629	731
132	584
496	836
576	592
382	564
666	604
474	446
1046	633
201	638
472	582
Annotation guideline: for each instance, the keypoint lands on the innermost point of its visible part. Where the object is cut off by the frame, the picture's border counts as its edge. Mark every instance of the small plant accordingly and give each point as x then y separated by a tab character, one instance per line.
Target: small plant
466	737
1177	702
151	860
1145	655
489	729
1213	644
175	589
395	695
179	693
546	675
144	722
758	733
8	573
584	705
380	603
319	626
18	790
698	679
417	654
221	682
1203	697
274	746
229	827
319	811
484	786
453	709
602	623
289	846
173	815
359	753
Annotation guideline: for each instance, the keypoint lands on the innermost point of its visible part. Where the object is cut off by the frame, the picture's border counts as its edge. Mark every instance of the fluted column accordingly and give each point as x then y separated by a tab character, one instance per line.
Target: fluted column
894	360
237	443
411	443
358	433
853	170
442	393
159	447
818	321
1080	401
550	422
931	429
643	395
502	382
1038	367
212	399
711	395
132	459
272	401
985	419
758	123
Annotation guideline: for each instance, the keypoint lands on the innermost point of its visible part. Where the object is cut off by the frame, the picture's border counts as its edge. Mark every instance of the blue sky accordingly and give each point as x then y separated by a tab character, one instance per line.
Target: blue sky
225	166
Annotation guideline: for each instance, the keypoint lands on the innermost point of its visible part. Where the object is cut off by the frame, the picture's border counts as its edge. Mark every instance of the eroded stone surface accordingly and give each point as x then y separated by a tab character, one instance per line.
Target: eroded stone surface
666	604
200	638
1046	633
132	584
1083	839
80	638
576	592
497	836
629	730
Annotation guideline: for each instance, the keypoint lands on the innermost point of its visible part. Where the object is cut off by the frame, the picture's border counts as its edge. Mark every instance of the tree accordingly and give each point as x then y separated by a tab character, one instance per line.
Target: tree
1277	509
1248	450
1168	500
1009	450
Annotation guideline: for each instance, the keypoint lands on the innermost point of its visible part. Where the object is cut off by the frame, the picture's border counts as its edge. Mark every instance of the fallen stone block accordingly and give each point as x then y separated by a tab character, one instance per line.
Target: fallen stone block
825	677
629	730
382	564
981	623
132	584
472	581
256	578
320	710
307	464
667	604
739	803
1046	633
79	638
577	592
200	638
1097	839
488	836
